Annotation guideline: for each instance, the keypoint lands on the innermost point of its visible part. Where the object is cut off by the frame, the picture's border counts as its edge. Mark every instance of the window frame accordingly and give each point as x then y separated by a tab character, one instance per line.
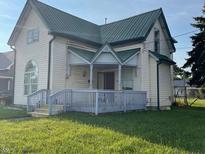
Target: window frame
127	78
30	74
157	40
33	35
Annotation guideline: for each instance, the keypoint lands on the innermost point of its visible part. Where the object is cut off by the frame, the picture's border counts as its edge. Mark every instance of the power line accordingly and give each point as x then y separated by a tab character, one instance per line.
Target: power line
186	33
182	34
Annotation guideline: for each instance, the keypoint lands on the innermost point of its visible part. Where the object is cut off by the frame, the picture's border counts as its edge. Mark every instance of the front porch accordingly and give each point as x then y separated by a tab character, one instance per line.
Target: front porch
104	69
91	101
96	82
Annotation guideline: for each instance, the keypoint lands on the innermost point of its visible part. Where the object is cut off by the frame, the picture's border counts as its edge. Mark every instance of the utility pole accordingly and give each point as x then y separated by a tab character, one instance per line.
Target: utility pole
185	89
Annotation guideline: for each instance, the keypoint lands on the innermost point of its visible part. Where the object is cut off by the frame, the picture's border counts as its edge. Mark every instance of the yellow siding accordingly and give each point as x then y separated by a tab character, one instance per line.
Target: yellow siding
58	65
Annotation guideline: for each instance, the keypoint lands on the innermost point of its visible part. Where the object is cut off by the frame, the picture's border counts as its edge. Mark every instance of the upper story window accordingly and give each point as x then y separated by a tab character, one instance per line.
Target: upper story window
157	40
32	36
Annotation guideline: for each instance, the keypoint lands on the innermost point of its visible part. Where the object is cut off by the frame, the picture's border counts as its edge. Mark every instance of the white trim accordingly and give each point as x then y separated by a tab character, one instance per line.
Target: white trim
91	76
131	58
6	77
111	51
79	56
153	56
9	85
119	77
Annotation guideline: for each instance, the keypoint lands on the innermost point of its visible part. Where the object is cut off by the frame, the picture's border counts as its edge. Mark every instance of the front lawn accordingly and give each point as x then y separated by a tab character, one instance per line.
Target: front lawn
176	131
192	101
11	112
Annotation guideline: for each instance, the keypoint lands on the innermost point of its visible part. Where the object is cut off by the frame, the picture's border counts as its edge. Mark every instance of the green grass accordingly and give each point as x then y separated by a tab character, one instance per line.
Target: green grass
11	112
176	131
198	103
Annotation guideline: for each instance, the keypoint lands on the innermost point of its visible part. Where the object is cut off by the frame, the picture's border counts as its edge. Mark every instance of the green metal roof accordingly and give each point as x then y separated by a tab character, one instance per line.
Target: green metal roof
60	22
134	28
125	55
162	58
89	55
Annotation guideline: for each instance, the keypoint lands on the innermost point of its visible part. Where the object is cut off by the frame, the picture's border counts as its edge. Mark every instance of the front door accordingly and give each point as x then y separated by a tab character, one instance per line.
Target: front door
109	80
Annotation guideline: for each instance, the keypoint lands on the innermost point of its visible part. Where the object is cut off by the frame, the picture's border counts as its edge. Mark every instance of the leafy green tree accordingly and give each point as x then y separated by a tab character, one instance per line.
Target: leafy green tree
196	58
180	73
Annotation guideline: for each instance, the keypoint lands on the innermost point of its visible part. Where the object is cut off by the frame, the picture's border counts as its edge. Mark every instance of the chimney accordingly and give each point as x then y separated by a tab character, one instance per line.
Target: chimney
105	20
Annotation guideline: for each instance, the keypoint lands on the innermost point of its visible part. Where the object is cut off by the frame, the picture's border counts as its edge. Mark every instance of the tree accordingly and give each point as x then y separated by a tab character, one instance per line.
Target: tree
180	73
196	58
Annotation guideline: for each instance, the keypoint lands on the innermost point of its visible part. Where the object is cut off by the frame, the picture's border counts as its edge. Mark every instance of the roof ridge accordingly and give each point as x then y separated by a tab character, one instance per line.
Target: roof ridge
159	9
36	1
64	12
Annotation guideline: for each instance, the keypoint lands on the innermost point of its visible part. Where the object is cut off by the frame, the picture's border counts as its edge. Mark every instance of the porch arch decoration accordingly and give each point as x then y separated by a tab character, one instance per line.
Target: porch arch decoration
31	77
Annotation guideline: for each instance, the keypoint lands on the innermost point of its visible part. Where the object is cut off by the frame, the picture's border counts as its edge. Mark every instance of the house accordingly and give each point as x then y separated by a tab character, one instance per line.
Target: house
182	88
6	77
179	87
56	50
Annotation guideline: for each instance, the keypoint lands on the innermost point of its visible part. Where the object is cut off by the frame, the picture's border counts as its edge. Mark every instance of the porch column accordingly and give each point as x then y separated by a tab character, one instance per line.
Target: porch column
119	77
91	76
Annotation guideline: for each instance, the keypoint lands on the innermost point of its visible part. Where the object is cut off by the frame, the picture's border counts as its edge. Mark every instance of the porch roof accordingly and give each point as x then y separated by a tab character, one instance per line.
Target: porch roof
125	55
162	58
90	55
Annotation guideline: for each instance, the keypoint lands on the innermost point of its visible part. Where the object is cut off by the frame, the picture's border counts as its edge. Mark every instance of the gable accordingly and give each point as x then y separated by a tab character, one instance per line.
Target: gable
106	52
29	19
33	21
106	58
165	44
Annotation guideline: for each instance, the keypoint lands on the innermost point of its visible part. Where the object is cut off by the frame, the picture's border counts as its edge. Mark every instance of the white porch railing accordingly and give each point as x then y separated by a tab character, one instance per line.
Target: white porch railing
96	101
37	99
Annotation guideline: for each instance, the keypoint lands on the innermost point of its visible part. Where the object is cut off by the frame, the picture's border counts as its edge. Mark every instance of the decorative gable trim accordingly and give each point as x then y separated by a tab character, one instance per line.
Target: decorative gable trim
106	49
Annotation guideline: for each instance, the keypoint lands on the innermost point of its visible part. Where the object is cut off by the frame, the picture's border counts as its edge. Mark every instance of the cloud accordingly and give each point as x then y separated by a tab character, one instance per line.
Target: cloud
7	17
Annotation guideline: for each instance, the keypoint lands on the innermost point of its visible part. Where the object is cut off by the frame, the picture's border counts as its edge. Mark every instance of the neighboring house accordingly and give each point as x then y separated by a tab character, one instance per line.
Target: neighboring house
56	50
6	77
191	91
179	87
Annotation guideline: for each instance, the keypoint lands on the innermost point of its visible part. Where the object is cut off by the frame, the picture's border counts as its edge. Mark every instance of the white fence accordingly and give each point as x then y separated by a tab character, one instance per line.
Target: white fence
97	101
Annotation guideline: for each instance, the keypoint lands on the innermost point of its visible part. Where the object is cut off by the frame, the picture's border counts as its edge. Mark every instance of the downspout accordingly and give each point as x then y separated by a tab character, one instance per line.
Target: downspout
49	61
14	49
158	92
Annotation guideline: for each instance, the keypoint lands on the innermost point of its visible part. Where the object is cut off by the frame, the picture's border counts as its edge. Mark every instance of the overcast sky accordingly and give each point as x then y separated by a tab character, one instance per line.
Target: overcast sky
179	15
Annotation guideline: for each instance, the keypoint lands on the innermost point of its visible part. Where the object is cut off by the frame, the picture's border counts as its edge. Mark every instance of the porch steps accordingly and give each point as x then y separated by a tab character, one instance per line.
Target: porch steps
39	114
43	111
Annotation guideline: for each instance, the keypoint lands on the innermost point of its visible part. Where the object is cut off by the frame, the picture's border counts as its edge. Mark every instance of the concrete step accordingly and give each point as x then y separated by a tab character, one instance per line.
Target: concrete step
39	114
42	110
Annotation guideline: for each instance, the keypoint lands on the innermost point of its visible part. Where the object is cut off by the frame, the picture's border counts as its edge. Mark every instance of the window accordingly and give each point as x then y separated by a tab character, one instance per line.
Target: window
157	41
32	36
127	79
30	78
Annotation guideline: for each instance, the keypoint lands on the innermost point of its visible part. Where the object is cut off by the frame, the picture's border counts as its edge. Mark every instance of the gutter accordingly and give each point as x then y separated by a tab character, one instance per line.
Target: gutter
158	93
49	61
14	49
